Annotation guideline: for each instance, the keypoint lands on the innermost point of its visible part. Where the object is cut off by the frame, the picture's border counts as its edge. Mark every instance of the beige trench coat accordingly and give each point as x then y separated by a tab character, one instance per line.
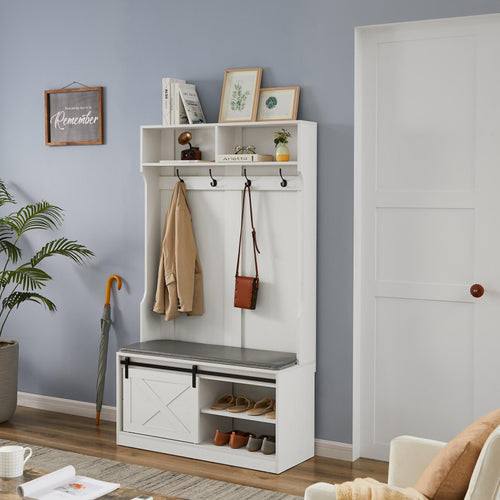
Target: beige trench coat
180	284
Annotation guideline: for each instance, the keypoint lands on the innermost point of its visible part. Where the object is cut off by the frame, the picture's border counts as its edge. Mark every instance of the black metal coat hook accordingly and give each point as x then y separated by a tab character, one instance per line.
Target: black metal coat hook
214	181
248	182
178	176
283	182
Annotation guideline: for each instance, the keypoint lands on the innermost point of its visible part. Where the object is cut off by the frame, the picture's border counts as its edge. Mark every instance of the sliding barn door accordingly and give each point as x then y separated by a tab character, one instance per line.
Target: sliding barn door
427	227
160	403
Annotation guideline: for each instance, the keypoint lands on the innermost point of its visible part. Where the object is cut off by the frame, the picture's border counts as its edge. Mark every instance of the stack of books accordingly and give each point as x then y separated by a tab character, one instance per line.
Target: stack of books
180	103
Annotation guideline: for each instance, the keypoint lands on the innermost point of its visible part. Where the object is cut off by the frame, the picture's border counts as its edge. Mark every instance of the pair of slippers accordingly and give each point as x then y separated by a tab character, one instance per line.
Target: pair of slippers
236	439
266	406
234	405
265	444
242	403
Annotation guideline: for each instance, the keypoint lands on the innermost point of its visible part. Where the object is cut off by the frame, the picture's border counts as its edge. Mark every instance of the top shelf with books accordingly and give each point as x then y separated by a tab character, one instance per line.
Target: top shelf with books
217	141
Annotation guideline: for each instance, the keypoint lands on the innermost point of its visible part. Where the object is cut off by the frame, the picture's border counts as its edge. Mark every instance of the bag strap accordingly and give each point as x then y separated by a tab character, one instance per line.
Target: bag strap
254	234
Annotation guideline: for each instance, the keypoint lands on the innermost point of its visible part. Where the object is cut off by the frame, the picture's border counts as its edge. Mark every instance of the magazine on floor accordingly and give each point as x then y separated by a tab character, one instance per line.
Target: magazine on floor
64	484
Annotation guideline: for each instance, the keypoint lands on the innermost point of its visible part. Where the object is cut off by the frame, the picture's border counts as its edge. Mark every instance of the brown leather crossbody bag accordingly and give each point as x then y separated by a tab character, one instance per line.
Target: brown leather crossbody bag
246	288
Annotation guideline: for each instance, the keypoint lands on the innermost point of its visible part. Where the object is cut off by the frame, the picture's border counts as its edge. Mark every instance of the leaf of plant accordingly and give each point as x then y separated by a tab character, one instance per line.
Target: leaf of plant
62	246
30	278
6	232
41	215
13	252
5	196
15	299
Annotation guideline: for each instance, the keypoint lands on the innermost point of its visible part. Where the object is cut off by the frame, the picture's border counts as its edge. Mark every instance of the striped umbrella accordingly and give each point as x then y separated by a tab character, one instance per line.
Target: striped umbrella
103	347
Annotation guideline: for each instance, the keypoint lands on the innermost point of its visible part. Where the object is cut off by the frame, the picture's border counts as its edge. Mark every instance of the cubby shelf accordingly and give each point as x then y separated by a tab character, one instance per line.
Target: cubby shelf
161	143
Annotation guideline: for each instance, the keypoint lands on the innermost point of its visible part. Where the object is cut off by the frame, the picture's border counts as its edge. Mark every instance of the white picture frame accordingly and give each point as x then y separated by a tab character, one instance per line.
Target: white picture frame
240	95
280	103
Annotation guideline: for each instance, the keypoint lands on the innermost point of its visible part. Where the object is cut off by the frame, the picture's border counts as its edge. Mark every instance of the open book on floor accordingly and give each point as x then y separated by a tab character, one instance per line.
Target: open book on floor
65	484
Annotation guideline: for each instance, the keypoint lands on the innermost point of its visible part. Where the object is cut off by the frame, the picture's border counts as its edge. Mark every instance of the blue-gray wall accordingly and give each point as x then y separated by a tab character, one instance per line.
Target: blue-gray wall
127	46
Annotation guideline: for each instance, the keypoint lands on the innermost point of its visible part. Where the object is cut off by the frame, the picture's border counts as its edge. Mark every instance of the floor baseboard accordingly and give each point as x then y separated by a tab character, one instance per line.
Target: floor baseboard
69	406
322	448
333	449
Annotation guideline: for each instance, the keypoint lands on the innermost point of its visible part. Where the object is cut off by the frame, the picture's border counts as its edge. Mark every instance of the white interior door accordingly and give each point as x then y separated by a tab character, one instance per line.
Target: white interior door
427	227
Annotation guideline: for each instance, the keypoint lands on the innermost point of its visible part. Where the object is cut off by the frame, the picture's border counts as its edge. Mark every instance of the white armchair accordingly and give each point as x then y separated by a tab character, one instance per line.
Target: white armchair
409	456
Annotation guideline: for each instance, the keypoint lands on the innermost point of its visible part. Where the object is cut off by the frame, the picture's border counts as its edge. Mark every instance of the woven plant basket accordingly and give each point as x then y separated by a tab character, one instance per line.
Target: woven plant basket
9	356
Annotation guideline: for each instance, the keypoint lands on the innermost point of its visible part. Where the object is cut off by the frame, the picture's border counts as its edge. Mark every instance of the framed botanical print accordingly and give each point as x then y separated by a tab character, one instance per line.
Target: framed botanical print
280	103
240	95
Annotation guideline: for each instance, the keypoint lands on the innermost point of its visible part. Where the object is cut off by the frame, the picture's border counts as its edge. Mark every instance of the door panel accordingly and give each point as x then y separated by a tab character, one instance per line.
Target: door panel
425	245
160	403
427	226
423	365
426	114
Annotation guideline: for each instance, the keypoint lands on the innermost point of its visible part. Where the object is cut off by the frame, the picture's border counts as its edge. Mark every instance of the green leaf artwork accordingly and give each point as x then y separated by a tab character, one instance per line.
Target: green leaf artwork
271	102
239	98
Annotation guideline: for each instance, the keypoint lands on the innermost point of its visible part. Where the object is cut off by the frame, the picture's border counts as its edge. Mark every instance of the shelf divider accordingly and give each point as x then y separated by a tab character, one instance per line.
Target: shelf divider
241	416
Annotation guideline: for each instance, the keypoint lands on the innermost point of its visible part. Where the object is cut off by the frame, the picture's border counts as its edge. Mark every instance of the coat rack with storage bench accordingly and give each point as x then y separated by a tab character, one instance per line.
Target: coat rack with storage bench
167	382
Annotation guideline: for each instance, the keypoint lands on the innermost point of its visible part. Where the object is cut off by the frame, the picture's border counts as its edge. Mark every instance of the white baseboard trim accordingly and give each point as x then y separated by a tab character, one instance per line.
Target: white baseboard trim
333	449
322	448
80	408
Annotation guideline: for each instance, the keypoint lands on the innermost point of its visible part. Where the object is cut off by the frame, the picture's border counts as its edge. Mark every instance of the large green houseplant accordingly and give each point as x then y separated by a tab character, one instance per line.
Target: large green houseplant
22	282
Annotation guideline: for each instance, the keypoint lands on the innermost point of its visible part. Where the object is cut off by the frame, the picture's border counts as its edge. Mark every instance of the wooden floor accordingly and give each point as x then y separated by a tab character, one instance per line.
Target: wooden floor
81	435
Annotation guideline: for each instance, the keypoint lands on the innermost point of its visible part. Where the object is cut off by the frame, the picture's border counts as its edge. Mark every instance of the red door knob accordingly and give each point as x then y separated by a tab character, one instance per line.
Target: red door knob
477	290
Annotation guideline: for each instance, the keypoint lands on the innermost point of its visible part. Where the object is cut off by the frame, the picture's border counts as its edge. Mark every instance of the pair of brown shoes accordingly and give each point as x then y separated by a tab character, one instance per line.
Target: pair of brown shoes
236	439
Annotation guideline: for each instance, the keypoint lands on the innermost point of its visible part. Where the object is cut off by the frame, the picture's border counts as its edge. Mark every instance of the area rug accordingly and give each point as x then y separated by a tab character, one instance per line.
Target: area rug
144	478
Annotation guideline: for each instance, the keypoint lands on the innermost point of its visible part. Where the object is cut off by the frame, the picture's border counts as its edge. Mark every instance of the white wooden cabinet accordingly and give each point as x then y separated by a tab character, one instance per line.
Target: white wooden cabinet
167	382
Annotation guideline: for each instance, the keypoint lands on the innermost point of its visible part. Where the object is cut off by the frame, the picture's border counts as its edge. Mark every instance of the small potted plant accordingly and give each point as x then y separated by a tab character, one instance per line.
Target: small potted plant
281	141
21	282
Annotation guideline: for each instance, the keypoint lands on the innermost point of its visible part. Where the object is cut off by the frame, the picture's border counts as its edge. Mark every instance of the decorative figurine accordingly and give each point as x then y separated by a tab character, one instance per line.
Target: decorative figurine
245	150
193	153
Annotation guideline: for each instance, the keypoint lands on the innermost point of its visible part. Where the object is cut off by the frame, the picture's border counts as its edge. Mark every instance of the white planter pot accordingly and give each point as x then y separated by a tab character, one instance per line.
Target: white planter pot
9	359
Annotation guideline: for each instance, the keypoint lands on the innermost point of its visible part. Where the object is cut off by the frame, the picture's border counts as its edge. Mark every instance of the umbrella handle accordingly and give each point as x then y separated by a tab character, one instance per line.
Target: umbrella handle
108	287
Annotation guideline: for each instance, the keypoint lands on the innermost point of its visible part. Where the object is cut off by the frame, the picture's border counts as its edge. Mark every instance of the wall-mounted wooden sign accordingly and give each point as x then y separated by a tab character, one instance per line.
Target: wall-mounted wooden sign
73	116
